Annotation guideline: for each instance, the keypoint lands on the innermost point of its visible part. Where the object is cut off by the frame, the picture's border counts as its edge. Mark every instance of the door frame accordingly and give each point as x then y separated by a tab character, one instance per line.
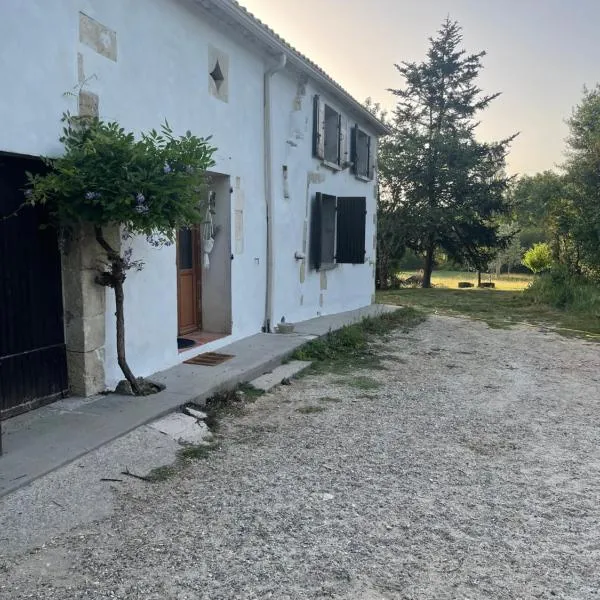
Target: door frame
197	287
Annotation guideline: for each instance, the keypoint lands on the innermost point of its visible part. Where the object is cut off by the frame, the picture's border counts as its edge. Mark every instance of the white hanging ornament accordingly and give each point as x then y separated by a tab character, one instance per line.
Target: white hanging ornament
208	240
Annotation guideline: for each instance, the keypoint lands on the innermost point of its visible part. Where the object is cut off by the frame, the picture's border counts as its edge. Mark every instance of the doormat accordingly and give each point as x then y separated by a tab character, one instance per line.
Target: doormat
184	343
209	359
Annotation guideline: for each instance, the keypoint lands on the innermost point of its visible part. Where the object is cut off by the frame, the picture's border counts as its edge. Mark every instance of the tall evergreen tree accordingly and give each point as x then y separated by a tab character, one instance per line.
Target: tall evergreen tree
448	186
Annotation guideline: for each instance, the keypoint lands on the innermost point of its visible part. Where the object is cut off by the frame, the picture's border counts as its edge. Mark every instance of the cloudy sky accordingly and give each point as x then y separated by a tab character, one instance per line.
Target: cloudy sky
540	55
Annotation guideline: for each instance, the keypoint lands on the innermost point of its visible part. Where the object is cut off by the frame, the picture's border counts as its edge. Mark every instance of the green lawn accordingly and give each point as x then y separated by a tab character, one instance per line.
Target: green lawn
499	308
450	279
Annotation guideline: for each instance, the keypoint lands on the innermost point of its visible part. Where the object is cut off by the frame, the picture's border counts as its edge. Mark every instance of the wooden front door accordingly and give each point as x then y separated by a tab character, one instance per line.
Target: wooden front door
188	280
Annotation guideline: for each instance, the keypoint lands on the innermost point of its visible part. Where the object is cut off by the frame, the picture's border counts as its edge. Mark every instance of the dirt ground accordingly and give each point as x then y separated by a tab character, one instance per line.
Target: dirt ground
469	468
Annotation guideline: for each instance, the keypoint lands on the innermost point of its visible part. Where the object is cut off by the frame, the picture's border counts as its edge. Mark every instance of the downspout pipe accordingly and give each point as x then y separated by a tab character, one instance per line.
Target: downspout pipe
268	172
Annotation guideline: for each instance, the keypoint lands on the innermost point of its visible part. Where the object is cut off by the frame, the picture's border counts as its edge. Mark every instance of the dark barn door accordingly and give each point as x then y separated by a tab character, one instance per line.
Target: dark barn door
33	368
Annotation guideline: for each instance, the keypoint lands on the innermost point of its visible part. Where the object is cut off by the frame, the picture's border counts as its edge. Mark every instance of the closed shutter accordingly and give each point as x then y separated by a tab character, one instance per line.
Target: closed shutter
315	231
322	231
318	127
351	230
372	147
353	149
343	137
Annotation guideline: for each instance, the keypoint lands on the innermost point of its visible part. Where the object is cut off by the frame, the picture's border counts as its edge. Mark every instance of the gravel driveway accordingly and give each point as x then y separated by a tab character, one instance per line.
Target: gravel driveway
470	468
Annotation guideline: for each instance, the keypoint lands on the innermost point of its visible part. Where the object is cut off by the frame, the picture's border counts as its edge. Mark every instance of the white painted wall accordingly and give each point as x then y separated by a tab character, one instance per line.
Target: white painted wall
348	286
161	73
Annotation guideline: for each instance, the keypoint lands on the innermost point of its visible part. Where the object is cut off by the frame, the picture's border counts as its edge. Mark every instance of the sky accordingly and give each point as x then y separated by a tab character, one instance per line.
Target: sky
540	54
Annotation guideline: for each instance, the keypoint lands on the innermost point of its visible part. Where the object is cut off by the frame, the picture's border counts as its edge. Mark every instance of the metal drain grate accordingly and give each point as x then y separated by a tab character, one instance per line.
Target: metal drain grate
209	359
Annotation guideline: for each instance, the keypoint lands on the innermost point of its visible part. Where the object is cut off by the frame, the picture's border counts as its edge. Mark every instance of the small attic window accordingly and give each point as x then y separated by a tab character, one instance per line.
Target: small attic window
217	76
218	73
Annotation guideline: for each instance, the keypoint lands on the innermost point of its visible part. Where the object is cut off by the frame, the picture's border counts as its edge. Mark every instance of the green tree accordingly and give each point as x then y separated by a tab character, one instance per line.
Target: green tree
538	258
545	212
448	186
582	175
106	177
512	254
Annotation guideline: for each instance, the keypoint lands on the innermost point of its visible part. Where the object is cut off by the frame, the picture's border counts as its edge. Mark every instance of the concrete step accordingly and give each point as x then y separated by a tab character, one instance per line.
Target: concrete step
268	381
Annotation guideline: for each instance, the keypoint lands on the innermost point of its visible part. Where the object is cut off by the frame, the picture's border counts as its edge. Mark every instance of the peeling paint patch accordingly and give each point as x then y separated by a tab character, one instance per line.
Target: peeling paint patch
239	231
301	299
316	177
302	272
321	300
80	71
304	236
323	280
88	104
98	37
374	242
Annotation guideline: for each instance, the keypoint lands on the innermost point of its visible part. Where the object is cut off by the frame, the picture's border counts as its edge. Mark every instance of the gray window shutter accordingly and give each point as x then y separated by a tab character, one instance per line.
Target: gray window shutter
322	231
344	155
372	157
318	127
351	230
315	231
353	150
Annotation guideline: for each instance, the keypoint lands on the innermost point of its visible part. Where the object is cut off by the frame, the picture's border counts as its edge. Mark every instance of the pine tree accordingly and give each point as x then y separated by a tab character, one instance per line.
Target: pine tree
449	187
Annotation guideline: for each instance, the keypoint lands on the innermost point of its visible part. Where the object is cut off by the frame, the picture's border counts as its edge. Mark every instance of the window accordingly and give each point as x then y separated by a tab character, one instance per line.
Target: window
329	135
338	227
362	154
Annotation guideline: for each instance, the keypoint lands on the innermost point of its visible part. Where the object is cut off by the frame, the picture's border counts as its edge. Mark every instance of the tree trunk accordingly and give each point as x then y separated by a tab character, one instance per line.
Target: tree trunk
115	279
478	278
428	267
121	359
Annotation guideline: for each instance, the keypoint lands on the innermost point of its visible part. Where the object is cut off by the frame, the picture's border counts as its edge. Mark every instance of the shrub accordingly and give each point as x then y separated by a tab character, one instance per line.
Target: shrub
538	258
566	292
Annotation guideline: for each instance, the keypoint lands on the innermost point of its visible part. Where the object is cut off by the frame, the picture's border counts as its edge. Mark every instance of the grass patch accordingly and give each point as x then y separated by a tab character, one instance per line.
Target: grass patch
361	382
185	455
353	346
330	399
309	410
249	391
163	473
229	403
498	308
199	452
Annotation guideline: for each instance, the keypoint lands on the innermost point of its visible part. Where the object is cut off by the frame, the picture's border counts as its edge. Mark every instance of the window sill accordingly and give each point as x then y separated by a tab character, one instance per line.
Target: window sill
365	178
327	267
332	166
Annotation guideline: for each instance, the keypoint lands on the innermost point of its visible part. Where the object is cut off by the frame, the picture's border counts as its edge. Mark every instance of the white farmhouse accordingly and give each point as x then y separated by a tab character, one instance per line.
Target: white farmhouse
293	191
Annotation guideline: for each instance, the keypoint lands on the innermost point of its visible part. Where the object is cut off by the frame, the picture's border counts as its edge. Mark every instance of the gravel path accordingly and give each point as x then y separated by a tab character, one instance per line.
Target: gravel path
471	471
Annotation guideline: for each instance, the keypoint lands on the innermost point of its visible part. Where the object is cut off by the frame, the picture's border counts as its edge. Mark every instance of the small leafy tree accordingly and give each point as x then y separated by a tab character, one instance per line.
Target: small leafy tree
538	258
106	177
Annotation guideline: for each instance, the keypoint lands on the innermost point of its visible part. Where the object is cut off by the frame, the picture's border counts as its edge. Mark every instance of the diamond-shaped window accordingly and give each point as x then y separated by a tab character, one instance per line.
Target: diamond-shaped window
217	76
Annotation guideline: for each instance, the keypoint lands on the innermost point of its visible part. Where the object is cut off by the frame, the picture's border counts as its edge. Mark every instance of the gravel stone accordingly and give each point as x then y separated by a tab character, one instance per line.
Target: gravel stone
472	471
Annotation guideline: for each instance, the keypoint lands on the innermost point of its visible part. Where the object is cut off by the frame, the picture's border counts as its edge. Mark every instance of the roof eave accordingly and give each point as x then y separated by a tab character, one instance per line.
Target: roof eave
297	59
